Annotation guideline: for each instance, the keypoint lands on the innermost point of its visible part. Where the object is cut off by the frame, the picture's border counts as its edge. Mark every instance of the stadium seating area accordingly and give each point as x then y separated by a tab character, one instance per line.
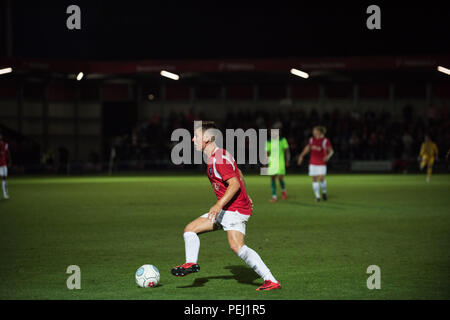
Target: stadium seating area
355	136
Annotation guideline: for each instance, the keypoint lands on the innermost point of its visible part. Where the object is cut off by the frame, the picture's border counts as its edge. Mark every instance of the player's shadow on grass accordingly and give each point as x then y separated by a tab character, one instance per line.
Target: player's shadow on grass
242	274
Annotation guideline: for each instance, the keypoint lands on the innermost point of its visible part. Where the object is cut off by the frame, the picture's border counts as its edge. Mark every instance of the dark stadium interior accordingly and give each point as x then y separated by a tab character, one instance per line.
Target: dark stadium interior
377	91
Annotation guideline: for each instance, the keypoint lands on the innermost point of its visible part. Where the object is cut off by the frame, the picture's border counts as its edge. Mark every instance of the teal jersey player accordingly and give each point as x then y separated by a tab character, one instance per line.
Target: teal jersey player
277	153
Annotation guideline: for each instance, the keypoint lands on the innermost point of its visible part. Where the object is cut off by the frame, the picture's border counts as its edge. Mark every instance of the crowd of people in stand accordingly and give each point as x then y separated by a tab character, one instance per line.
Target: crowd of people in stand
354	135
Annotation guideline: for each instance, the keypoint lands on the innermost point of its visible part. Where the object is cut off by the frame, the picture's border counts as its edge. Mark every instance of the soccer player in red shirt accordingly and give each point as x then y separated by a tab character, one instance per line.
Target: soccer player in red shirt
321	152
5	162
231	212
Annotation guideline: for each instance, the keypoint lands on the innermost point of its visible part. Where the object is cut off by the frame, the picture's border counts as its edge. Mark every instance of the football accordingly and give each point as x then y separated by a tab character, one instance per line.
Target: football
147	276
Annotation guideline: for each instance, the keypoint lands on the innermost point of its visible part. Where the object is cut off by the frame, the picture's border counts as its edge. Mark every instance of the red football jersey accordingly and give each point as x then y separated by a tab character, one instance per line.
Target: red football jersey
3	151
221	166
319	149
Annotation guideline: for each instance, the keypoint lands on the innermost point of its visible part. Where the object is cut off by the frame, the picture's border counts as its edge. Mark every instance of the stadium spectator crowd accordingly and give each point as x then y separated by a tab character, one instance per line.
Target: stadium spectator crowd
354	135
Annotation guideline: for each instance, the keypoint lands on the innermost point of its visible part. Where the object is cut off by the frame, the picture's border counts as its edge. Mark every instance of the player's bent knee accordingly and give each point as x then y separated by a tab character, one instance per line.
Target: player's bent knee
199	225
190	227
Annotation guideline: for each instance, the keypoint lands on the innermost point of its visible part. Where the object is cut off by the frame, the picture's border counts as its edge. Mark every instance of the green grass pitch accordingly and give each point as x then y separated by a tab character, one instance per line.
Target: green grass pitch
109	226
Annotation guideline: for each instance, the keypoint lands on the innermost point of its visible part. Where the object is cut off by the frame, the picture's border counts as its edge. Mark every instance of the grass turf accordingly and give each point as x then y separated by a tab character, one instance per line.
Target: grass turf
109	226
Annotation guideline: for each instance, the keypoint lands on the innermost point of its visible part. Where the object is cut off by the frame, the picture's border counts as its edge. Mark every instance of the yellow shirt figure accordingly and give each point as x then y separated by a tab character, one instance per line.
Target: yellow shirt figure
428	153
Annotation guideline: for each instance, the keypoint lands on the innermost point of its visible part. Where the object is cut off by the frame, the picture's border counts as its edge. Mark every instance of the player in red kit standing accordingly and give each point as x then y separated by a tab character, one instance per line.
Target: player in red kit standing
5	162
231	212
321	152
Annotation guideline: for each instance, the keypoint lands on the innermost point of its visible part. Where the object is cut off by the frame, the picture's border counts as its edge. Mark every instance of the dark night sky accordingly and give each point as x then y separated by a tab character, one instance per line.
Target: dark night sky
167	30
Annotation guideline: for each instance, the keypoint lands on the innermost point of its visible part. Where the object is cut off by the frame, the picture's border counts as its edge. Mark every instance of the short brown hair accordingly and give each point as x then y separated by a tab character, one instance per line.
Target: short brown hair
205	125
322	129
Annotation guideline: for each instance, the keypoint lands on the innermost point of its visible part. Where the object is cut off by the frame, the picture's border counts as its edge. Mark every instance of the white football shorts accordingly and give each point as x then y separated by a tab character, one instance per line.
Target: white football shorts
230	220
3	171
317	170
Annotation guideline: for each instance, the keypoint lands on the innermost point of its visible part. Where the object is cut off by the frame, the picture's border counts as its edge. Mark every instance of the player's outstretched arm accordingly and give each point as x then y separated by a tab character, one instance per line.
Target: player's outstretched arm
233	187
304	152
330	153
